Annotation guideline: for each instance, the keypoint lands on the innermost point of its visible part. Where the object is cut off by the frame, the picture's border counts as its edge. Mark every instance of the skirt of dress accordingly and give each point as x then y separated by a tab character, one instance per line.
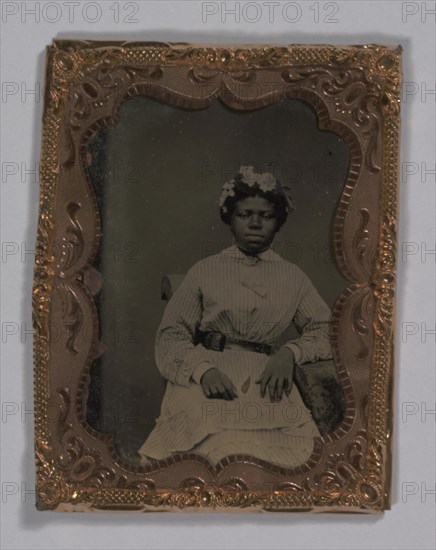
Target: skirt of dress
280	433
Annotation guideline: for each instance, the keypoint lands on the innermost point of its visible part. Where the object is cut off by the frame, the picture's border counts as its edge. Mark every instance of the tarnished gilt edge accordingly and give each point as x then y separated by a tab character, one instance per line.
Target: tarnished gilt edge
76	45
380	416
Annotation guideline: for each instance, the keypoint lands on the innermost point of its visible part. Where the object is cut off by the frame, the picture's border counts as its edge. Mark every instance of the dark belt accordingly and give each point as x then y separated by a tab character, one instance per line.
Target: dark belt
218	341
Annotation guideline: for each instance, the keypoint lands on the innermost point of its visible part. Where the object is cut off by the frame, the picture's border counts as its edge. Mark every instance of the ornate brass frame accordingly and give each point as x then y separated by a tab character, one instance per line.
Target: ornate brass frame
355	91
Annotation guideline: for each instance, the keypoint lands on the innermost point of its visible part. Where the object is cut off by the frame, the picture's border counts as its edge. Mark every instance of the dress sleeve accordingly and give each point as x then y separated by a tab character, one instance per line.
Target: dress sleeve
177	357
312	319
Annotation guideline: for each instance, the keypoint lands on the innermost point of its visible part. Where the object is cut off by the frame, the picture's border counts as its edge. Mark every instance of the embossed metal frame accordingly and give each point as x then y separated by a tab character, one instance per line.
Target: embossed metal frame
355	92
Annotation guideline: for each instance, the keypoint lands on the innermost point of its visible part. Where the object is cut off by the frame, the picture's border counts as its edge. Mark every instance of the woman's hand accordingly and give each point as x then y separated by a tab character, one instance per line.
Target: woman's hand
278	375
216	385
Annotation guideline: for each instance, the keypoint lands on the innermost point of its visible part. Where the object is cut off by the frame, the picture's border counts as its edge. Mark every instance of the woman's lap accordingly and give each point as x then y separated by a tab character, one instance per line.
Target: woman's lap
273	446
281	433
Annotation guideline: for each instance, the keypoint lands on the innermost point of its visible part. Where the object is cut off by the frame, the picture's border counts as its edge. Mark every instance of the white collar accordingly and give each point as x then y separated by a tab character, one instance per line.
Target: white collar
267	255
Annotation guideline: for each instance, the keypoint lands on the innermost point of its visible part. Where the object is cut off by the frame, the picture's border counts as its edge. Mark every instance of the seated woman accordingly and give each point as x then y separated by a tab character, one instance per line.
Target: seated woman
229	390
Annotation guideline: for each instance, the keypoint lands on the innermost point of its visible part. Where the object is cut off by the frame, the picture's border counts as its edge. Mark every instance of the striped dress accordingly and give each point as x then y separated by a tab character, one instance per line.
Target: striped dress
248	298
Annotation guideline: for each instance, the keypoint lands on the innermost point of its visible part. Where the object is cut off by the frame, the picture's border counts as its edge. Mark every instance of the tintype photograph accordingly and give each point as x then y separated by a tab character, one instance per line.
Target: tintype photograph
214	288
205	277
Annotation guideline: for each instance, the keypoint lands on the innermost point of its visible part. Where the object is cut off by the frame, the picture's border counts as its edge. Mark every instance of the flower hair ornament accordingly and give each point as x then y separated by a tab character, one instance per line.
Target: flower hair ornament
265	181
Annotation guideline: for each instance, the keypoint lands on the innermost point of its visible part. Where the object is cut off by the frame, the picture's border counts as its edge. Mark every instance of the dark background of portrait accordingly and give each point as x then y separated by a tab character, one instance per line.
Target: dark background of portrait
157	176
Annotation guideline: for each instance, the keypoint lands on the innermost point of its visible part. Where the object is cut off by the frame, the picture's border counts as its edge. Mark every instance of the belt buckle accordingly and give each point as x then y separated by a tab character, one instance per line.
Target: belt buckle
263	348
217	341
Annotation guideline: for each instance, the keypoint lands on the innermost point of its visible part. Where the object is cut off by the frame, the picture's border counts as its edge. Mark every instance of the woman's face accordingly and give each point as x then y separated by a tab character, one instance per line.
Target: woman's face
253	224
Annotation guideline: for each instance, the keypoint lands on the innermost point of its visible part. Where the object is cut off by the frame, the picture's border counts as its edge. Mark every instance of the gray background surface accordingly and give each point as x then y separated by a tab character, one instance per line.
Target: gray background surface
410	523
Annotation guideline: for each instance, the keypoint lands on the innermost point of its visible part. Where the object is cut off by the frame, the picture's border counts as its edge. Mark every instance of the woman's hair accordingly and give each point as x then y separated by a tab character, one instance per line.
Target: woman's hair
242	190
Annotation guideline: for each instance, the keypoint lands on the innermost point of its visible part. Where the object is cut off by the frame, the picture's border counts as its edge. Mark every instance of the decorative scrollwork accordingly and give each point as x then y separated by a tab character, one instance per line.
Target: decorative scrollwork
384	278
81	464
73	243
362	238
72	315
362	313
352	93
355	90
